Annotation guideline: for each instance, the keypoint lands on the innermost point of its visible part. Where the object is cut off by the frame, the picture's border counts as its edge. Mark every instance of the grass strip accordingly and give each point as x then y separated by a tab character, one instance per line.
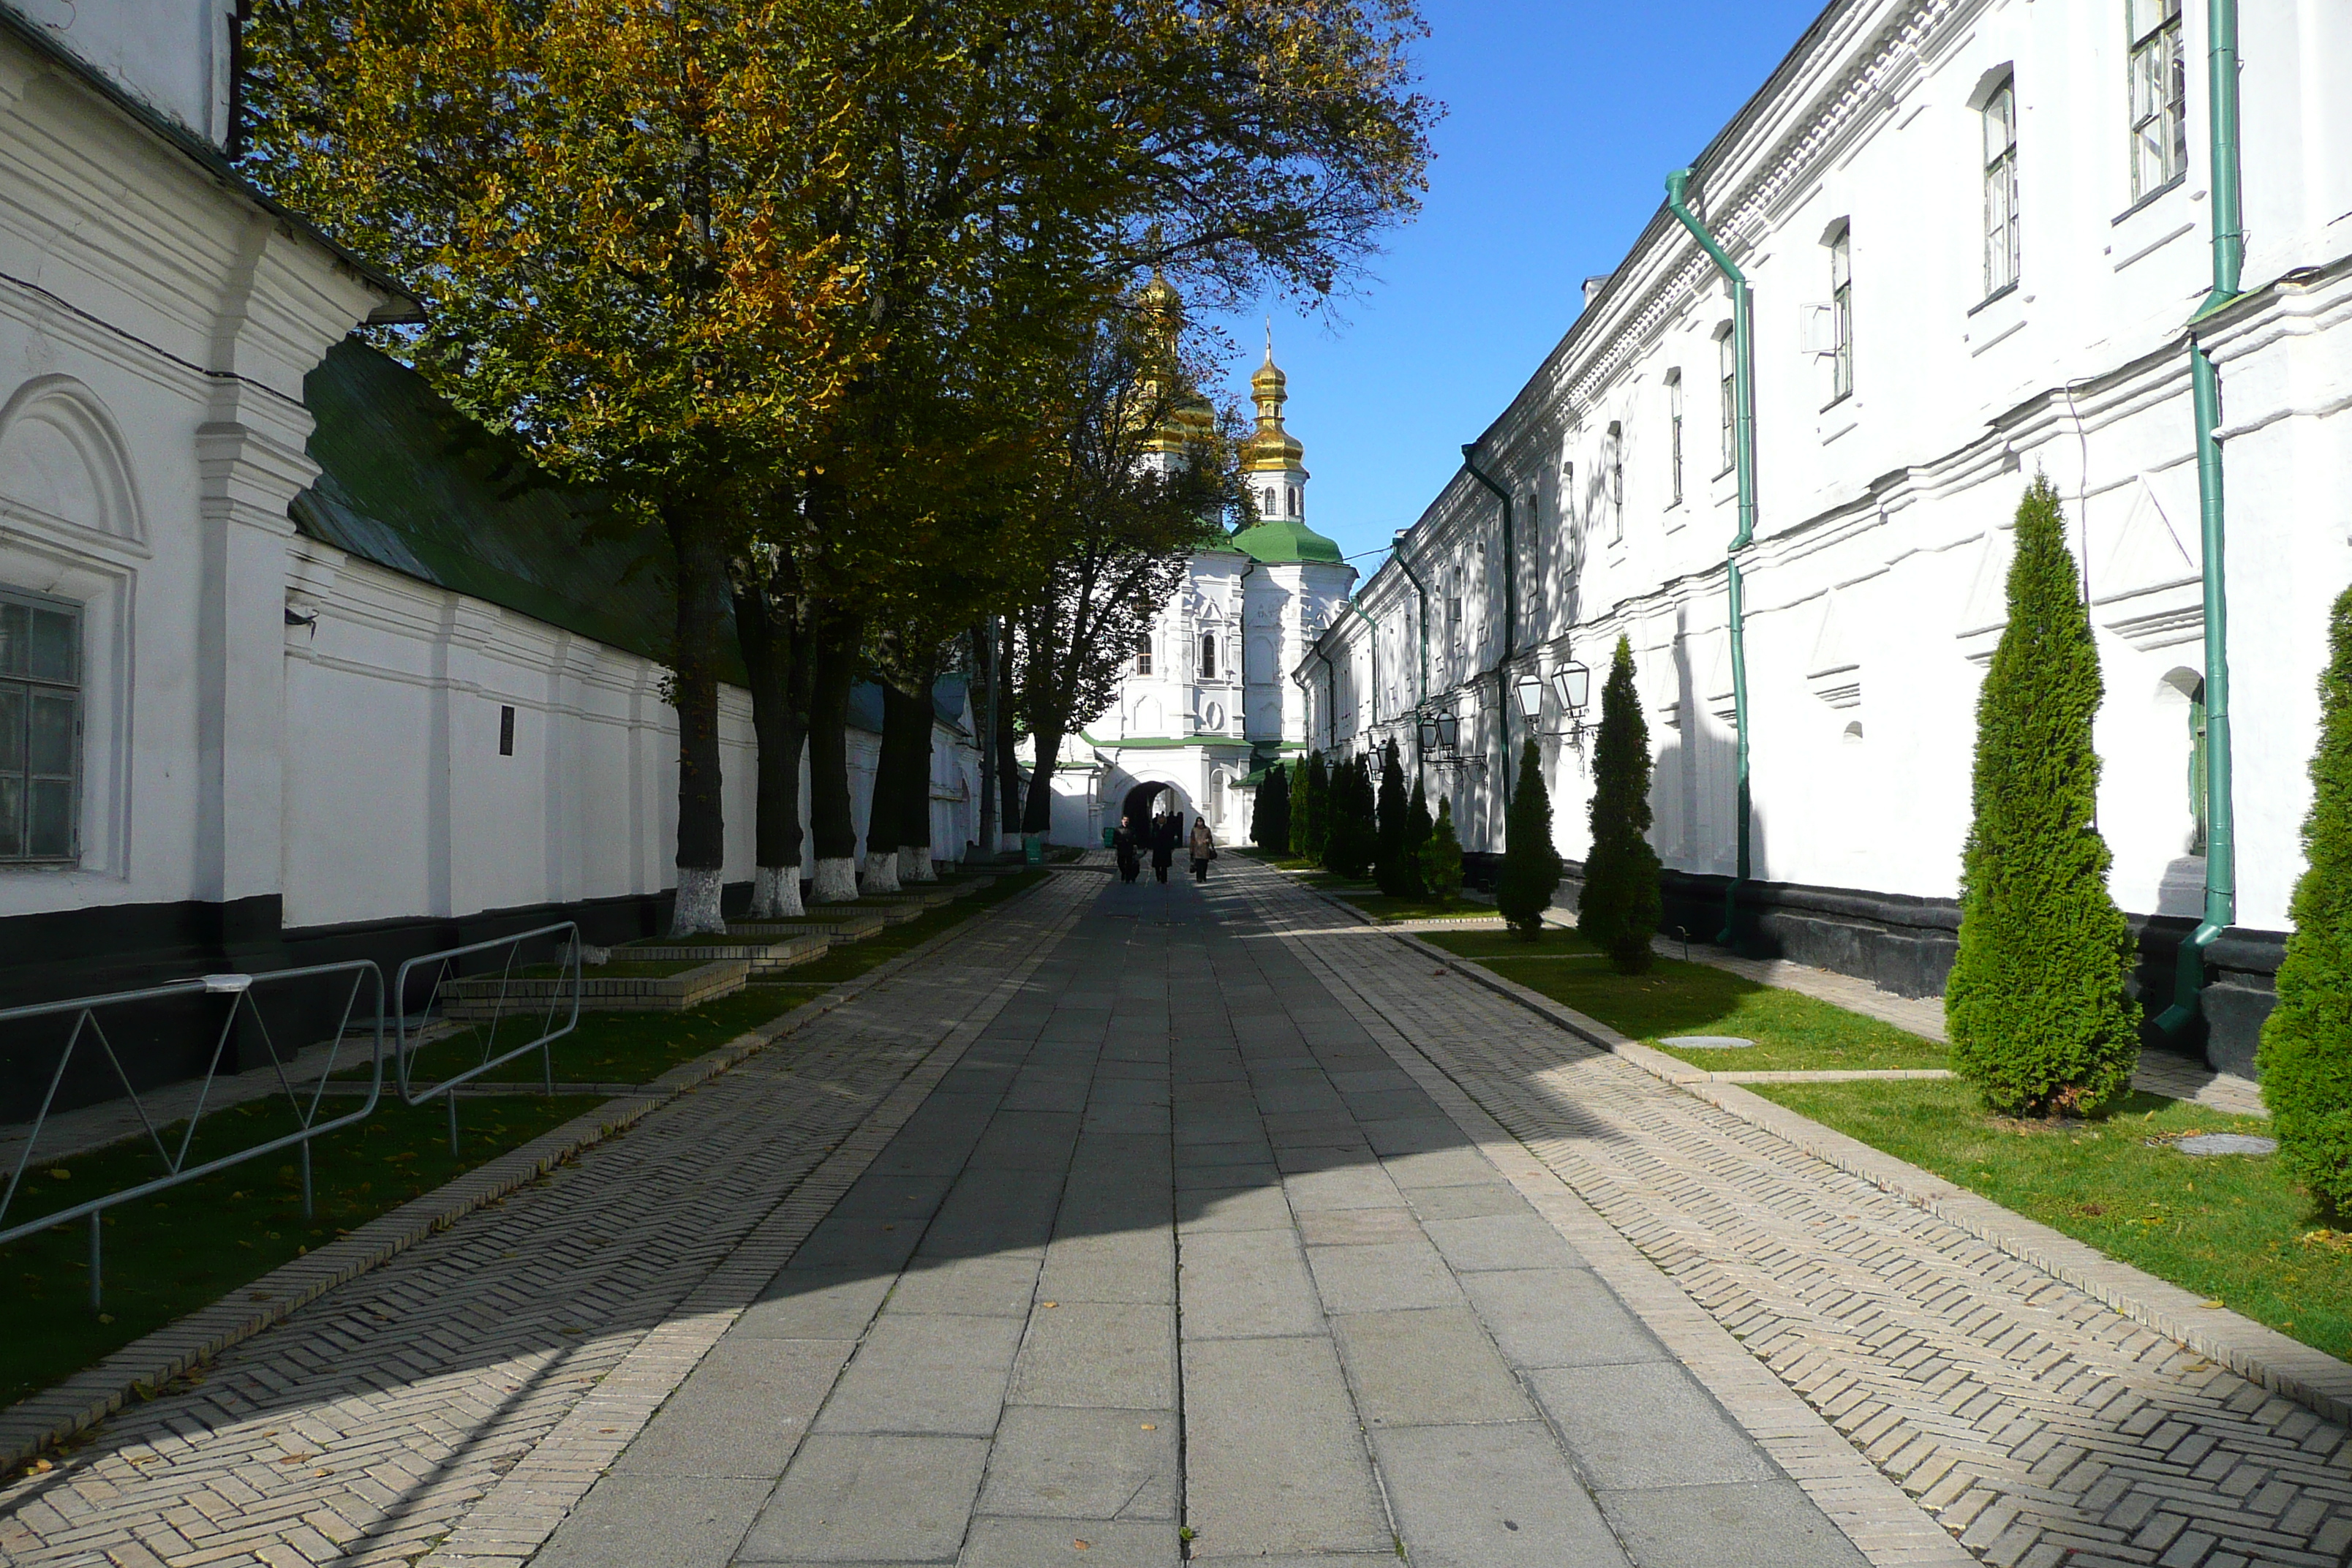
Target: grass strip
187	1247
2230	1228
1382	907
1792	1032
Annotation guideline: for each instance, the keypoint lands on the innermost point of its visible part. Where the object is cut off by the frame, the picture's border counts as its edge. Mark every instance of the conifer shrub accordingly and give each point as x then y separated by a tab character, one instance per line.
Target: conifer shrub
2306	1059
1531	865
1349	843
1621	901
1309	809
1270	822
1394	868
2036	1009
1418	831
1441	857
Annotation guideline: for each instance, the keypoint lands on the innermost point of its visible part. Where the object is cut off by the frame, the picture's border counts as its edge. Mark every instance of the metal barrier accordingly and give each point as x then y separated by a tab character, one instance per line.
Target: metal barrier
176	1169
406	1043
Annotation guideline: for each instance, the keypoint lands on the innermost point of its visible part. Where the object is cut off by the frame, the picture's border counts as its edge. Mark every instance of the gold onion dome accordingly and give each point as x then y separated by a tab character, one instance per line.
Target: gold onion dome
1271	449
1191	421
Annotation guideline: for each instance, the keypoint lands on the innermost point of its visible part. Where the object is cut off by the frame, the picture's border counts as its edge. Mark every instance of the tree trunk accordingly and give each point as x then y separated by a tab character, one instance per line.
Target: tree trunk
986	699
882	811
915	783
702	594
1039	816
831	823
1008	770
776	661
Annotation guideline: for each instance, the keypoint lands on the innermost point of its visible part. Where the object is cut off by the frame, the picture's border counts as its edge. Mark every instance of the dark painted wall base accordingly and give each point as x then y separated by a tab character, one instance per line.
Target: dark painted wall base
91	951
1908	945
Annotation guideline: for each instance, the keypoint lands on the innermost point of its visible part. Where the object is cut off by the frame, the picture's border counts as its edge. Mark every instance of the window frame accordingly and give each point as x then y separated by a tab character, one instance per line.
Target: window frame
1208	655
1841	248
1727	355
1615	441
2004	248
2162	105
1143	653
1674	437
29	686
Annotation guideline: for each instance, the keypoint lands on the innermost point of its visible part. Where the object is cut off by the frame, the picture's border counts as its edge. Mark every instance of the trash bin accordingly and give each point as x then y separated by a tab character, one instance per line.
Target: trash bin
1033	848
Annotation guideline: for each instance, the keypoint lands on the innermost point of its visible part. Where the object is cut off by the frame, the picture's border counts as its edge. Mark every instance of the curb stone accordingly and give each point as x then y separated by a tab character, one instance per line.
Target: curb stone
2261	1355
141	1368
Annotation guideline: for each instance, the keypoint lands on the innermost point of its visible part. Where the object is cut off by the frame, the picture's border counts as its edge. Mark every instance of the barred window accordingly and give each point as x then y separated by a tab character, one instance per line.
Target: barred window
41	727
2159	96
2002	250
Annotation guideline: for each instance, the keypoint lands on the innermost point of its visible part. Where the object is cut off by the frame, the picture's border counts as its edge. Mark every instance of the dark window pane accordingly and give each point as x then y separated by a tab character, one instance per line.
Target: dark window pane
53	736
14	635
51	829
55	646
12	729
11	818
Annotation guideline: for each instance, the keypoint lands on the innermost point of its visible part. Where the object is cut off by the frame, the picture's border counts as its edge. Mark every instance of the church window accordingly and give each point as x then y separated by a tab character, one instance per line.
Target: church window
1208	655
1143	655
1841	313
1293	498
1726	356
1674	437
40	727
1271	510
2198	808
2003	251
2159	97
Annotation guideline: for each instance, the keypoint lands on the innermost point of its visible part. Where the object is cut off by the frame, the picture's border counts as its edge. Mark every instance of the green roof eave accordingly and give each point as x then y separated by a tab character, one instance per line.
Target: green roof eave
1283	540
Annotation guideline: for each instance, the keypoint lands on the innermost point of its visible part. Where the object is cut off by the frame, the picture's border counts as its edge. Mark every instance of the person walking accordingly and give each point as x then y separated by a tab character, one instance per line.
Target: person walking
1205	849
1165	832
1123	843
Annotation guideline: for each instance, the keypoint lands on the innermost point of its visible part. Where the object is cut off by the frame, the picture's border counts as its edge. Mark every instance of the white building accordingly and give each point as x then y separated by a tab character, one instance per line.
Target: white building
1208	704
285	674
1975	232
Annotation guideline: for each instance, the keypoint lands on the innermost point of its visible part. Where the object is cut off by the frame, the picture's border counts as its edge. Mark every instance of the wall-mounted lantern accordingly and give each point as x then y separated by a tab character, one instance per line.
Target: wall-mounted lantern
1574	684
1528	689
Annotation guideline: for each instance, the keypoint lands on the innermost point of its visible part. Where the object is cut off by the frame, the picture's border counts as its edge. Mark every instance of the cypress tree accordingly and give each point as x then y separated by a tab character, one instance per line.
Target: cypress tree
1530	864
2306	1050
1270	822
1441	858
1418	831
1313	811
1621	904
1390	867
1349	843
2036	1008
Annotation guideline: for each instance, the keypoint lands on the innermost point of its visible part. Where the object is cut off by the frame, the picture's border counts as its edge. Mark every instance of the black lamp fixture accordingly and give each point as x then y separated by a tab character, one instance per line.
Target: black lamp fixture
1574	684
1428	734
1449	731
1528	689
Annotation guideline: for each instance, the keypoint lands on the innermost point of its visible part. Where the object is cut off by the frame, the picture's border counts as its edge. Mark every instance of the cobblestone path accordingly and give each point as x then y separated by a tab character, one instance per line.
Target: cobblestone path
2039	1426
527	1343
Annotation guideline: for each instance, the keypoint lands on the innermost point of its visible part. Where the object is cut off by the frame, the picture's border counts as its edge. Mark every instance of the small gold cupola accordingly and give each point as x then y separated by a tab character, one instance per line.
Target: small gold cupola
1191	420
1271	449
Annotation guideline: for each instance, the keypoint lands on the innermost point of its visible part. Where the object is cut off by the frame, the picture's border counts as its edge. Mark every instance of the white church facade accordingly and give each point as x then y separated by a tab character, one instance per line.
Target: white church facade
1976	233
1209	701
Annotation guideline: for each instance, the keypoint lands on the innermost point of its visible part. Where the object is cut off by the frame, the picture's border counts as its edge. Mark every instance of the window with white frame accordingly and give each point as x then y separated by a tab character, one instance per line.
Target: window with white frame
1726	359
1674	437
2003	250
2159	96
1143	655
1292	490
1208	655
41	727
1615	457
1841	313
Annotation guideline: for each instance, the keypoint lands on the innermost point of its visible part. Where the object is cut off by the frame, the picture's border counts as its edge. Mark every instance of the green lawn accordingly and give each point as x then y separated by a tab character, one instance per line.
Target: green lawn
607	1048
1380	906
1790	1031
171	1253
2229	1228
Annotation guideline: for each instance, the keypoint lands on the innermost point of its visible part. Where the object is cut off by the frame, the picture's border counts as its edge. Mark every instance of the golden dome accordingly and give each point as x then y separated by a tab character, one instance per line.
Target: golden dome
1271	449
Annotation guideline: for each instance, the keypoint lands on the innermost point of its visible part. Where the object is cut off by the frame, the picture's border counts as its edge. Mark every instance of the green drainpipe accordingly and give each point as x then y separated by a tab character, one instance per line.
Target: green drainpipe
1743	423
2228	256
1510	615
1396	551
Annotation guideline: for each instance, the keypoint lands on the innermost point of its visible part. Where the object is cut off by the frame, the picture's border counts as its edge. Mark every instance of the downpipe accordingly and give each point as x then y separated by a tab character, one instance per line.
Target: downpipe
2205	386
1397	553
1743	419
1510	615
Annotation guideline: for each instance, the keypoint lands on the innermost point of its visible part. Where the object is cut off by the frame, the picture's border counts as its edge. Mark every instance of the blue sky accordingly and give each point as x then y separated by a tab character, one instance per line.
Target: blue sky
1563	119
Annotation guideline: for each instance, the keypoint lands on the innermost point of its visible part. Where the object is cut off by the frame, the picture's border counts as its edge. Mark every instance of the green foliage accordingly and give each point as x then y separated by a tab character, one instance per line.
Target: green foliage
1531	865
2306	1051
1419	829
2036	1009
1441	857
1394	867
1353	838
1621	904
1310	810
1270	821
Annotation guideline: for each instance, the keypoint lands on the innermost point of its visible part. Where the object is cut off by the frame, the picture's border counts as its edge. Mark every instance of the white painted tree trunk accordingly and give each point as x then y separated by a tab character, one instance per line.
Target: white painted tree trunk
915	866
881	873
1008	841
776	893
696	910
835	881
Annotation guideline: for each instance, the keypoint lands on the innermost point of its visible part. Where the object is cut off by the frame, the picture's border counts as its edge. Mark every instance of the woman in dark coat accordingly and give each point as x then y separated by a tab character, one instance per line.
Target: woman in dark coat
1166	832
1123	842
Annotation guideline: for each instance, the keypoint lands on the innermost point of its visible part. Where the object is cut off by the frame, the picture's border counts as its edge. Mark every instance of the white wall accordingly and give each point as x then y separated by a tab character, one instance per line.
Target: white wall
171	55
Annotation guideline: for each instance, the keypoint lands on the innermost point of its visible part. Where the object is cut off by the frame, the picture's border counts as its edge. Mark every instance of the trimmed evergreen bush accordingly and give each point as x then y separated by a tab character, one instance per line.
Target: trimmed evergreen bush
1349	842
1393	867
2306	1051
1310	808
1532	868
1621	904
2036	1008
1441	857
1270	822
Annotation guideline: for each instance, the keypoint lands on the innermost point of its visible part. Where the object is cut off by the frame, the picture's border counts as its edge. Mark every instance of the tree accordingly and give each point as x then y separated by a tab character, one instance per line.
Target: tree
1418	831
1311	818
1620	906
2306	1050
2036	1009
1532	868
1397	873
1349	842
770	629
1270	820
1441	858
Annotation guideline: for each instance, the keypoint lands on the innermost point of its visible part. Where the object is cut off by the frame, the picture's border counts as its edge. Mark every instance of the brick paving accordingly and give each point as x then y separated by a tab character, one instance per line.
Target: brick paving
367	1426
2038	1425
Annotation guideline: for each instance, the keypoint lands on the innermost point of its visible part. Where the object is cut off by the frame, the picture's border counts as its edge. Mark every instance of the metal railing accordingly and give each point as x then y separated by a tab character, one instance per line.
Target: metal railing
407	1041
177	1172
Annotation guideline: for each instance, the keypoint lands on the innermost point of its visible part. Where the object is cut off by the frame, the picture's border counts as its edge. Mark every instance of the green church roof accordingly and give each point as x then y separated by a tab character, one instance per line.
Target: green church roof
1276	541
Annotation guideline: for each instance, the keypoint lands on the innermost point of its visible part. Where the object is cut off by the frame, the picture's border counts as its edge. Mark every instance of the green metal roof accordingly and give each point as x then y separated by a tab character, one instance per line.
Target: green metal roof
1276	541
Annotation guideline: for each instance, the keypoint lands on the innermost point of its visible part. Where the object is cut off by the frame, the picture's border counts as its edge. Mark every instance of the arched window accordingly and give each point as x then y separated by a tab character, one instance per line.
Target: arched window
2197	806
1208	655
1293	498
1674	437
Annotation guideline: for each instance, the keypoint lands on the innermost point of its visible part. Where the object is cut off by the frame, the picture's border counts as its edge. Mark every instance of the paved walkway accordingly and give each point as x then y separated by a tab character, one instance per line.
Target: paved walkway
1195	1227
